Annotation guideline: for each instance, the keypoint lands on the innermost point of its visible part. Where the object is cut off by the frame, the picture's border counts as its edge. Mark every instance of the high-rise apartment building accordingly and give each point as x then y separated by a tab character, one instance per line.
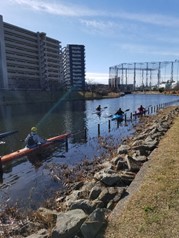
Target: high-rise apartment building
29	60
74	67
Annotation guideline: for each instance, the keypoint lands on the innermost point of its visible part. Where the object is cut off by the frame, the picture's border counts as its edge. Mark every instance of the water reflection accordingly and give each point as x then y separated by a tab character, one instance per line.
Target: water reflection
37	158
30	177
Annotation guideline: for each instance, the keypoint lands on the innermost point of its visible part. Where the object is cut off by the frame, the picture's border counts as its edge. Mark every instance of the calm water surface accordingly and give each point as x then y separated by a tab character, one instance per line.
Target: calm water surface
28	184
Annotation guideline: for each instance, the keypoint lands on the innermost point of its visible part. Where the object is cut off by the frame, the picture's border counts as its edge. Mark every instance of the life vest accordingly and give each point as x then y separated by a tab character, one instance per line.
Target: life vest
31	141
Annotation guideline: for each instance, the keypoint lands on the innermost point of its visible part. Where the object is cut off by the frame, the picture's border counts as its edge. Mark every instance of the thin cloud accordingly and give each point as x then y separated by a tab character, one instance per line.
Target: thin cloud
99	25
154	19
167	39
166	53
139	49
58	8
71	10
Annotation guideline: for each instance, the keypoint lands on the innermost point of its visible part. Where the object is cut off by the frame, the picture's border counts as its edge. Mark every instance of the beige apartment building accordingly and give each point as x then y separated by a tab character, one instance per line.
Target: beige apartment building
29	60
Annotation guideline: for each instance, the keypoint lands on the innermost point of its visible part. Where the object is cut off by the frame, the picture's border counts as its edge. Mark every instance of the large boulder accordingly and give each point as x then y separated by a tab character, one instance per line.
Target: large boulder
68	224
94	223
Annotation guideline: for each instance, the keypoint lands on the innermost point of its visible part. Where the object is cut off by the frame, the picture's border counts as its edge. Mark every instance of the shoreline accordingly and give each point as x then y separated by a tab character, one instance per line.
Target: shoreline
93	191
149	194
32	97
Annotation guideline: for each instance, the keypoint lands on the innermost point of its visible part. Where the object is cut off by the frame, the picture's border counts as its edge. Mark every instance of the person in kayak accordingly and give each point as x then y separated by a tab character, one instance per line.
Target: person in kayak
98	108
141	109
33	139
119	112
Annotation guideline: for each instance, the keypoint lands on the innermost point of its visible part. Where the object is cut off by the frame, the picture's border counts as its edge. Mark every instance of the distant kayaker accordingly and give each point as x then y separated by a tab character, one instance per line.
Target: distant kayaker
141	109
119	112
98	108
33	139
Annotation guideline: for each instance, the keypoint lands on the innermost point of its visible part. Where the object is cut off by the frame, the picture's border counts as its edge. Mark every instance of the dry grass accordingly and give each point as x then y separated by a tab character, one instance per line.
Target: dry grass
153	210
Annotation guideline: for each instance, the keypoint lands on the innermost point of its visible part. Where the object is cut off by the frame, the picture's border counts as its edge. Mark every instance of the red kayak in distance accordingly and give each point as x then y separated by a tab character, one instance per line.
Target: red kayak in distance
140	113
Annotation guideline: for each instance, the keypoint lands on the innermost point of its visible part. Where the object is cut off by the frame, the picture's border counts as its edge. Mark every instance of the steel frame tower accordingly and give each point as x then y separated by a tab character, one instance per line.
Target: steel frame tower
144	74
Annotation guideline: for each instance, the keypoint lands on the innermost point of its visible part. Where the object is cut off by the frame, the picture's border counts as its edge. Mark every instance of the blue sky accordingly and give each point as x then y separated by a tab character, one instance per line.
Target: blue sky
113	31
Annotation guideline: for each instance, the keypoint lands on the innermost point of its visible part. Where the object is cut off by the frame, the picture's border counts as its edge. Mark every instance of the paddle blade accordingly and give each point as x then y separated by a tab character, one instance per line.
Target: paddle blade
8	133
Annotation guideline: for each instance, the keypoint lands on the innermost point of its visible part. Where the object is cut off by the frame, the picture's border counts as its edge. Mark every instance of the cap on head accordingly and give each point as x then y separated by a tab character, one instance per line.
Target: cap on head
34	129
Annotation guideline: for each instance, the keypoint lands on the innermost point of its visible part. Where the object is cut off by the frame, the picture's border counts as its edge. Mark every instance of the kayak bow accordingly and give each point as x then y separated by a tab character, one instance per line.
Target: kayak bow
117	117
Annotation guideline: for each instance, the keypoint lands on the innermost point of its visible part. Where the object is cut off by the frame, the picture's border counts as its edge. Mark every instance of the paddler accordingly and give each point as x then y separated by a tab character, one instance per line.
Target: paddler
141	109
98	108
119	112
33	139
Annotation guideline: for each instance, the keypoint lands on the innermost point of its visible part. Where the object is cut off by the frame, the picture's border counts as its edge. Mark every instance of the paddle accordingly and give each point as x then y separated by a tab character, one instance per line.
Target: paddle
102	108
99	111
124	112
8	133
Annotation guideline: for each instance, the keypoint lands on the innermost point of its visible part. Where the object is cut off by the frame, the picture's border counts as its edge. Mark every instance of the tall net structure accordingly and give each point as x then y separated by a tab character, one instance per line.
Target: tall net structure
142	75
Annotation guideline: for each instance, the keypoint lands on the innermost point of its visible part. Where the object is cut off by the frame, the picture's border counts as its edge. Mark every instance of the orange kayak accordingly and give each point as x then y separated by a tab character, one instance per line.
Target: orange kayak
25	151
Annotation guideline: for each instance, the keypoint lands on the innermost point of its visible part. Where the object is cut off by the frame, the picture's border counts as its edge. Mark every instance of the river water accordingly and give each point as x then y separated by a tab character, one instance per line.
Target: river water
27	183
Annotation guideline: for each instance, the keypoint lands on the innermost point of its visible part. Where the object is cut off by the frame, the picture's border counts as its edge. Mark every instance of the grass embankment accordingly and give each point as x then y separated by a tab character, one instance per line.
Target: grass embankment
153	209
